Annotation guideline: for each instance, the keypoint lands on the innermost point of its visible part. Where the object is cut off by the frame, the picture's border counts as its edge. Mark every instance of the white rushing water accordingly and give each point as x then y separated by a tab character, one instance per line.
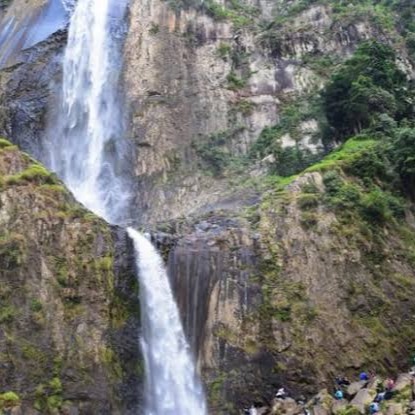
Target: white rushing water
85	154
86	139
172	384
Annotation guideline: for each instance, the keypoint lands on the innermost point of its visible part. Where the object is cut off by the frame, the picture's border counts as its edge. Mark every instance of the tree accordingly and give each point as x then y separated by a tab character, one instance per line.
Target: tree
403	154
368	84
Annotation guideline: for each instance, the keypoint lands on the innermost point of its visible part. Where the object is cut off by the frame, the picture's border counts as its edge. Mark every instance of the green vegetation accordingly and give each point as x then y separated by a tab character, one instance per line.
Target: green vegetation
5	143
365	87
49	396
235	82
154	29
36	305
33	174
241	15
213	151
9	399
224	50
7	313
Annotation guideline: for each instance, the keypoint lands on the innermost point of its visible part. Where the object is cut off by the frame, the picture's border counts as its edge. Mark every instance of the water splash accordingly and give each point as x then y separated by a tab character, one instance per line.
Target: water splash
173	387
87	150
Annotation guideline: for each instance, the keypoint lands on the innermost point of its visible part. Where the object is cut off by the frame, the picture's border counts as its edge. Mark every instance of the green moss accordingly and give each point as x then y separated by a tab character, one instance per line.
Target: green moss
12	251
123	308
7	314
9	399
48	397
5	143
36	305
216	387
33	354
35	173
56	385
106	263
349	410
54	188
111	361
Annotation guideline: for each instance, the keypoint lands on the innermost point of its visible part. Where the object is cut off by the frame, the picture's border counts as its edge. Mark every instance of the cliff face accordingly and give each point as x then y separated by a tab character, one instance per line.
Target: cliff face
68	309
204	80
291	294
275	285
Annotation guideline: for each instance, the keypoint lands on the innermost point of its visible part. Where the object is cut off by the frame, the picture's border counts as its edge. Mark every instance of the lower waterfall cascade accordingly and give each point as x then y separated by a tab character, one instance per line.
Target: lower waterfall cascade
172	384
88	128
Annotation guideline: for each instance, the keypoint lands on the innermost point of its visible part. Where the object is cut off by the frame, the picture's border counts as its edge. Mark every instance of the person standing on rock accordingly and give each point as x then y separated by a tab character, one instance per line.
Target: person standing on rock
339	395
281	394
374	408
342	381
253	411
390	384
364	376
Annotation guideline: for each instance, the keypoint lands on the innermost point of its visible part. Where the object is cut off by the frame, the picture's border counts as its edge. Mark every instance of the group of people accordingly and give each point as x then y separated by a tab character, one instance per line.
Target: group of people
384	391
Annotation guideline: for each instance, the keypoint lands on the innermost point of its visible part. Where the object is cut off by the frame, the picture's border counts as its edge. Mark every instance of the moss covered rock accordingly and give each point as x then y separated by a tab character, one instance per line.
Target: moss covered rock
68	302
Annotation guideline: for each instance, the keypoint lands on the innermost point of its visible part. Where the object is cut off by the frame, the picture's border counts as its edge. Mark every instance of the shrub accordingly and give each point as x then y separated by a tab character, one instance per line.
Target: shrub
375	206
308	201
154	29
332	181
308	220
235	82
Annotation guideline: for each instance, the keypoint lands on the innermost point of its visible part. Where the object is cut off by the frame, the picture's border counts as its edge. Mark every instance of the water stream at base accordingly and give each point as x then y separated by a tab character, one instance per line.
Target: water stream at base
86	151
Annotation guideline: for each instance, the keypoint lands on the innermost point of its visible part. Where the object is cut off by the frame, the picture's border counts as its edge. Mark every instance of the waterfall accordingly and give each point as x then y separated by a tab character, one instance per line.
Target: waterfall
87	150
172	384
87	153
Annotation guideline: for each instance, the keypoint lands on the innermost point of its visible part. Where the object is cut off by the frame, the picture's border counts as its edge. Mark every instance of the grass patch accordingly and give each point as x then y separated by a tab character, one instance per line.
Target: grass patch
350	150
35	173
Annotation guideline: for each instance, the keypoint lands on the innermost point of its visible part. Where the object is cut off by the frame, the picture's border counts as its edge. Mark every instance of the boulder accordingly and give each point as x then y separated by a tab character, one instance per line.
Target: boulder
363	398
404	380
286	406
338	406
319	410
355	387
394	408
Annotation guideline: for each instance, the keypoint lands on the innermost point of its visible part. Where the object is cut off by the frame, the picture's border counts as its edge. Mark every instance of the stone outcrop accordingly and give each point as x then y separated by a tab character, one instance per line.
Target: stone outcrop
399	403
282	296
68	300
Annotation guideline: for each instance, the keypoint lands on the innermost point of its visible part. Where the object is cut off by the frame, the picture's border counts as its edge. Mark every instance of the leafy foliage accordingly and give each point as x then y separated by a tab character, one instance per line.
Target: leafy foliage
366	86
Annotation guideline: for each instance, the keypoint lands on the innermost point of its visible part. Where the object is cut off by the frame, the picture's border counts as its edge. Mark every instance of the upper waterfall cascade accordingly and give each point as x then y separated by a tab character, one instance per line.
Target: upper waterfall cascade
87	154
87	149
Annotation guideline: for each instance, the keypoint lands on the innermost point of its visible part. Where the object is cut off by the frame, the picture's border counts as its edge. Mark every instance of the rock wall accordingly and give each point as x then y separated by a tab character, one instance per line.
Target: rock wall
68	300
290	296
202	83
